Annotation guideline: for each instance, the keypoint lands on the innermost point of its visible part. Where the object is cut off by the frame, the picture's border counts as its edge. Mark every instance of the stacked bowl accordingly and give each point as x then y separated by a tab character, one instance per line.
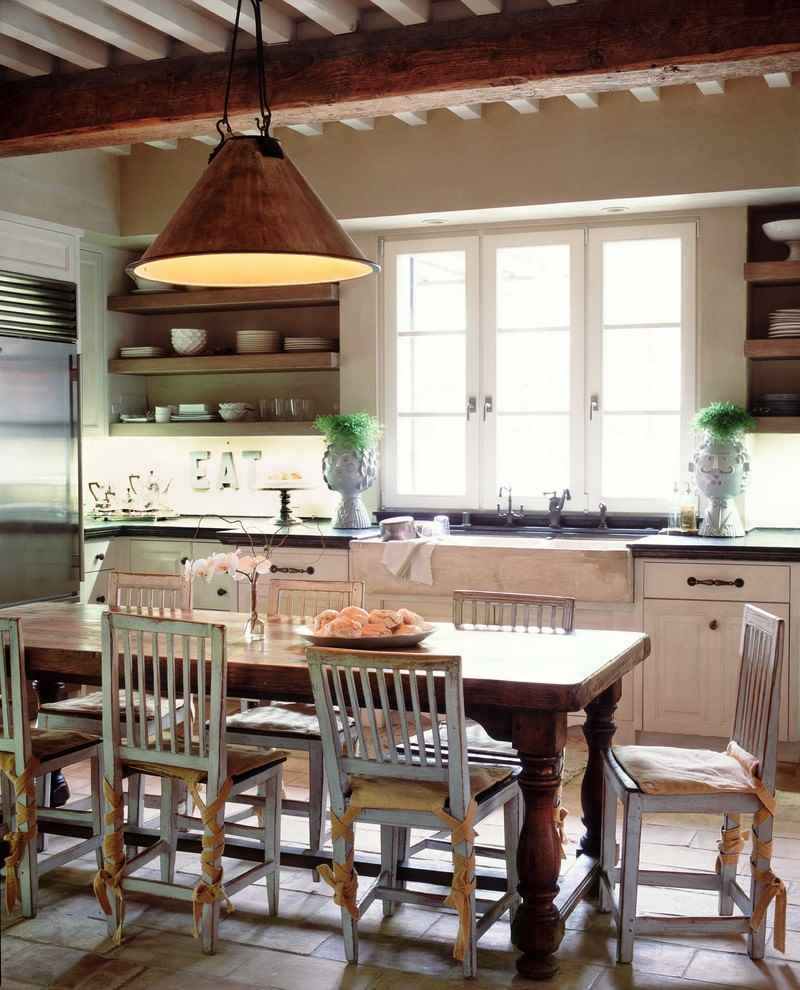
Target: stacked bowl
257	341
188	341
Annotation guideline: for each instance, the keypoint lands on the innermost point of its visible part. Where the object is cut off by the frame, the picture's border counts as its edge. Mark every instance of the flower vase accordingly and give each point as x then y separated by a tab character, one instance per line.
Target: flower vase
254	627
350	472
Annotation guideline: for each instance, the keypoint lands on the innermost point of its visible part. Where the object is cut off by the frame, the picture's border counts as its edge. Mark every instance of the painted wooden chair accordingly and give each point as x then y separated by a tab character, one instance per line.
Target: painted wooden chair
374	778
142	592
26	756
189	658
295	726
741	780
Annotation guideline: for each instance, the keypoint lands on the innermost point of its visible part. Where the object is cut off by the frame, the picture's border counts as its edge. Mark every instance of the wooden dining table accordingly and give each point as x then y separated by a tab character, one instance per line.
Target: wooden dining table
520	687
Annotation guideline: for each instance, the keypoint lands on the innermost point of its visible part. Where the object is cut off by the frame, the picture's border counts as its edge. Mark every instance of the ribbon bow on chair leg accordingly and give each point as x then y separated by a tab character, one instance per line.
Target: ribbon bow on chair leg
210	888
341	876
463	886
110	876
24	784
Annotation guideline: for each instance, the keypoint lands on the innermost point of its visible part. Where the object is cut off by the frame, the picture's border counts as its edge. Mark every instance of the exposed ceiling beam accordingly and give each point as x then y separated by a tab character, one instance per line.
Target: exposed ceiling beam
164	144
585	101
179	22
277	26
336	16
466	111
711	87
484	6
120	150
22	58
778	80
307	130
406	11
524	105
105	23
57	39
580	48
414	118
359	123
209	139
646	94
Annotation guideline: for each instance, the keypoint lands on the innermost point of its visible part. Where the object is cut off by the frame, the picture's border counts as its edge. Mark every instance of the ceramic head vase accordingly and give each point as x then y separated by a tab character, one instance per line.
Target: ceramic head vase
350	472
721	469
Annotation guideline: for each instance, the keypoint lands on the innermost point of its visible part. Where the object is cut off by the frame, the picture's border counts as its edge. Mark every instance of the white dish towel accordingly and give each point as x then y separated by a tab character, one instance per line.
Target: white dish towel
410	560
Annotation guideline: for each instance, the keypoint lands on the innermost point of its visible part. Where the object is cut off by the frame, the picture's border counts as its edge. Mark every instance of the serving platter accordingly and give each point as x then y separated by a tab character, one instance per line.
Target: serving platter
389	643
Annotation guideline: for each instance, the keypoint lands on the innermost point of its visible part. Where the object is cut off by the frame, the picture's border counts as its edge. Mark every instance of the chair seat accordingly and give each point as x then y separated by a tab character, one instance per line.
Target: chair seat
477	739
243	762
671	770
386	794
50	744
272	720
91	706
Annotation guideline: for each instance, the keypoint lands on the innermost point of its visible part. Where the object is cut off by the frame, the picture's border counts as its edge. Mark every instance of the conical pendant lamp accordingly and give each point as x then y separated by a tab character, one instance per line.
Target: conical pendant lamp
252	219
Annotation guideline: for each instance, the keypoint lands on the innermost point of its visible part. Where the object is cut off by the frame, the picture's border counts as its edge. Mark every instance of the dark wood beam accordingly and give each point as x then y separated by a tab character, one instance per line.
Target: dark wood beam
597	46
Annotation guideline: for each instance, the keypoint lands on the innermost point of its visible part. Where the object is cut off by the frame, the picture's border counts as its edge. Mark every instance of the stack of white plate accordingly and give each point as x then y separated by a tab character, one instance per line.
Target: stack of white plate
141	352
309	343
257	341
784	323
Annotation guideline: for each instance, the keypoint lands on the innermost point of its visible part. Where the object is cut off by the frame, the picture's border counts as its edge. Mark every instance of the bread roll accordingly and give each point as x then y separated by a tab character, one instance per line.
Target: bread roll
411	618
344	627
324	618
386	616
355	613
407	629
373	630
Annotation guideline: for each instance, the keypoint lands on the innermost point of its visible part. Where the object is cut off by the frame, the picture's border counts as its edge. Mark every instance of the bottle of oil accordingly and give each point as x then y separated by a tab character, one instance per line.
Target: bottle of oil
688	511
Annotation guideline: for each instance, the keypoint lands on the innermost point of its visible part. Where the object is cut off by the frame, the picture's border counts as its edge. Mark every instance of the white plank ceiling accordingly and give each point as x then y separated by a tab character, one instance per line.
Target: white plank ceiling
40	37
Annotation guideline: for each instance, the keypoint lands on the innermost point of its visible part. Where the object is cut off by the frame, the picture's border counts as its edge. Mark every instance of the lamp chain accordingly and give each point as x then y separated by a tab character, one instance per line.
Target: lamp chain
263	122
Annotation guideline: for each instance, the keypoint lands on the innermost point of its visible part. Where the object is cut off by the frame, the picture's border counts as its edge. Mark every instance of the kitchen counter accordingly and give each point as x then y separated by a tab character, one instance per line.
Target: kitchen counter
261	528
758	544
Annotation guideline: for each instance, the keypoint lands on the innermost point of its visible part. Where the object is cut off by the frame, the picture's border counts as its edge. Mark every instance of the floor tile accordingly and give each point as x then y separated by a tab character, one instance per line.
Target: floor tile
740	971
649	955
283	971
57	966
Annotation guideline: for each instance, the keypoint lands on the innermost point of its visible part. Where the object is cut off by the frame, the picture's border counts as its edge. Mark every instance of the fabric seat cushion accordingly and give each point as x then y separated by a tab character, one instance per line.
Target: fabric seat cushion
671	770
401	794
243	762
48	744
91	706
299	720
477	739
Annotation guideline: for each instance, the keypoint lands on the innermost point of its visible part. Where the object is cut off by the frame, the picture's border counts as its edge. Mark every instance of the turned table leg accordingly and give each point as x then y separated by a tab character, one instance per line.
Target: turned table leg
599	732
537	930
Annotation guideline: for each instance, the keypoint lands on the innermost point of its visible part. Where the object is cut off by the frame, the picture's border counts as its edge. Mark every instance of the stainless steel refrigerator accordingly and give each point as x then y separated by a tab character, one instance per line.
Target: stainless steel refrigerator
40	491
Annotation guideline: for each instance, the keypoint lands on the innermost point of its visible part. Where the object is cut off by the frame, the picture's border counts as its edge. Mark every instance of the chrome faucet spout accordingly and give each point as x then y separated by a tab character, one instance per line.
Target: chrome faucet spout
556	506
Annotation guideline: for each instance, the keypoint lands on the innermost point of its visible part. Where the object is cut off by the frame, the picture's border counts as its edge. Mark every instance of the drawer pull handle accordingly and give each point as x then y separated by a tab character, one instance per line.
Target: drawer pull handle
290	570
184	560
713	624
222	591
101	599
715	582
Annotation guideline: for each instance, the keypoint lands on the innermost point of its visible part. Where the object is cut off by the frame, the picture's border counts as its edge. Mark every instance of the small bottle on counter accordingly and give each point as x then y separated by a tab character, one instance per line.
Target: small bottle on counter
688	511
674	521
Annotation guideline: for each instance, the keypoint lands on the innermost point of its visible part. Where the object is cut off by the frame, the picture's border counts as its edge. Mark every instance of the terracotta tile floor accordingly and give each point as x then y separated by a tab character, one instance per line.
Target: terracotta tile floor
67	946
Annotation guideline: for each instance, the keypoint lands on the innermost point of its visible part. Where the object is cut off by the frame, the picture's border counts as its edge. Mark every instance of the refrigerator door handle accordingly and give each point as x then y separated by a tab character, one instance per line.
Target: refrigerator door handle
75	431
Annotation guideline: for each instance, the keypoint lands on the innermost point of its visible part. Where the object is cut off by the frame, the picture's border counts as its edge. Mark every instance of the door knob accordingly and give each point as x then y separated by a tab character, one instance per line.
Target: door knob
222	591
713	624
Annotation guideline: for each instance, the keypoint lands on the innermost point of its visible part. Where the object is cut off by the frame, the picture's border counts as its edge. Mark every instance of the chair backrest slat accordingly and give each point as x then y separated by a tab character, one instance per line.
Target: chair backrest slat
305	599
15	732
755	724
512	612
409	692
149	592
190	658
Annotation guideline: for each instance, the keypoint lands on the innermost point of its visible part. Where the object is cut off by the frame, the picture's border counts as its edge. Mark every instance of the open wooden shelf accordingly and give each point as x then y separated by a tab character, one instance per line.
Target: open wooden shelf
239	363
778	424
209	300
772	272
214	428
765	350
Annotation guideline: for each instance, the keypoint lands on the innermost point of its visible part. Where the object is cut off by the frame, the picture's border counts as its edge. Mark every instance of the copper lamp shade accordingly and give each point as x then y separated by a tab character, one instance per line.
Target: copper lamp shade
252	220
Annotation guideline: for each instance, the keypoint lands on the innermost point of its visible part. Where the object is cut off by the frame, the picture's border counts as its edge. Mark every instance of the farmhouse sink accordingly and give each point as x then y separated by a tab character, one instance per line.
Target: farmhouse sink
545	532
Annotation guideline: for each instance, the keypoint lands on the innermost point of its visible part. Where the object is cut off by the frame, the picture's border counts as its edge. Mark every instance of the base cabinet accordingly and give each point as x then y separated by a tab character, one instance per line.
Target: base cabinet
170	556
690	677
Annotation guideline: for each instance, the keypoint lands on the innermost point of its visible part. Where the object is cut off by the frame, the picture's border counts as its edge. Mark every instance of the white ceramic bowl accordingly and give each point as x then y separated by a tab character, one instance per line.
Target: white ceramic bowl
231	412
787	232
187	340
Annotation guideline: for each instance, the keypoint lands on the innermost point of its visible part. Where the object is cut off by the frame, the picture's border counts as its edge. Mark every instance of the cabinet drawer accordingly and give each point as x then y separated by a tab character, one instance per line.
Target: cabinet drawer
95	555
293	564
717	582
169	556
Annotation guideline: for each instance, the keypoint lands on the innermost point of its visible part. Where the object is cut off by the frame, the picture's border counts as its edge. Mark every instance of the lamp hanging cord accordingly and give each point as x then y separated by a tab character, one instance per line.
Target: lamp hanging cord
263	122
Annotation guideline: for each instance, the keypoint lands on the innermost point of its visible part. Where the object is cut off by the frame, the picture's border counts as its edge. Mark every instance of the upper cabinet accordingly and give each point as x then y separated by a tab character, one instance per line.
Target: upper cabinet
33	247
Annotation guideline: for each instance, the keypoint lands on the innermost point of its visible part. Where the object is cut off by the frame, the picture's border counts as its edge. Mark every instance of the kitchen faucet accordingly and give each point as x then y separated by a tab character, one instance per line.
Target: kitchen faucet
509	515
556	506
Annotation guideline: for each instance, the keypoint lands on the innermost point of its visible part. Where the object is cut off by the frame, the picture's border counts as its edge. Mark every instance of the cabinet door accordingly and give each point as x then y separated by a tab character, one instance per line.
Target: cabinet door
624	616
690	677
38	249
170	556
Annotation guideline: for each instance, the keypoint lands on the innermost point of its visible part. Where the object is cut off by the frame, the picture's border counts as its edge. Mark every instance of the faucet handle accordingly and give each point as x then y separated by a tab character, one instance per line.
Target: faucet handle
567	494
550	494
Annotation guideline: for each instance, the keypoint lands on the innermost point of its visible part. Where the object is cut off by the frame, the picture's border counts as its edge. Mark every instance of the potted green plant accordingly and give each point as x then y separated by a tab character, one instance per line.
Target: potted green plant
350	463
721	465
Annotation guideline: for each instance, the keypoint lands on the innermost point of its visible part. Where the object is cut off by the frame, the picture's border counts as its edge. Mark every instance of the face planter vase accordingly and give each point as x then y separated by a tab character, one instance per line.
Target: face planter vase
350	472
721	469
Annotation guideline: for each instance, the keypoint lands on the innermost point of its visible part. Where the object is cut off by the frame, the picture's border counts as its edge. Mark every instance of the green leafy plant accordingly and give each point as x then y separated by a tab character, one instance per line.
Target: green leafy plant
356	431
724	420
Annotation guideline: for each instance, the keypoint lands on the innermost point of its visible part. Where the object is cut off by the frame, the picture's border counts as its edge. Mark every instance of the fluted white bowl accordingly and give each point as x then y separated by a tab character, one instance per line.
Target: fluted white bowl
233	411
786	231
188	340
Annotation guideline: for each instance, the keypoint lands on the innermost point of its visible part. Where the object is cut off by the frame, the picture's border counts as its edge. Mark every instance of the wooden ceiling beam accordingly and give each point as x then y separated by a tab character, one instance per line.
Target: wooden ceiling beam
22	58
336	16
277	27
555	51
174	19
40	32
